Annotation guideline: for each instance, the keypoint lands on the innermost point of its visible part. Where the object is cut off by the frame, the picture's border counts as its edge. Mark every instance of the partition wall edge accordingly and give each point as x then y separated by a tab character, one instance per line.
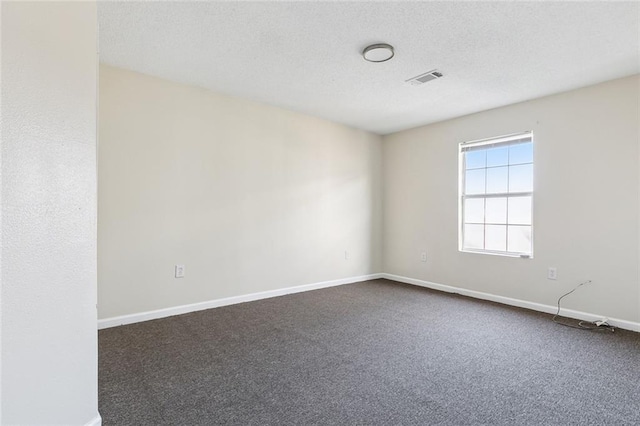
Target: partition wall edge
48	265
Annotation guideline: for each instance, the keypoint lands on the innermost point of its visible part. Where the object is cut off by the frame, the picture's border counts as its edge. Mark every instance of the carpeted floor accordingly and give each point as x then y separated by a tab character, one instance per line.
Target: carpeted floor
372	353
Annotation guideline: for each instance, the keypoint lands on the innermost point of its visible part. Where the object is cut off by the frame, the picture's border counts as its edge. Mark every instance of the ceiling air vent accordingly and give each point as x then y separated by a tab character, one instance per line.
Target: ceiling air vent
423	78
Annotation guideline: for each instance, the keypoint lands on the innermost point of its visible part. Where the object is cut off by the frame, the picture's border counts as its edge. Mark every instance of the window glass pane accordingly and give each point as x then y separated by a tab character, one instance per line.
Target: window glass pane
473	236
498	156
475	159
520	210
496	237
497	180
474	181
474	210
521	178
521	153
519	239
496	211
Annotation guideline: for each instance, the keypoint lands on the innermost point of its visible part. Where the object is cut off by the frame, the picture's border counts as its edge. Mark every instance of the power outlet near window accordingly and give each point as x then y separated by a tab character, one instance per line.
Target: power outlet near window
552	273
179	271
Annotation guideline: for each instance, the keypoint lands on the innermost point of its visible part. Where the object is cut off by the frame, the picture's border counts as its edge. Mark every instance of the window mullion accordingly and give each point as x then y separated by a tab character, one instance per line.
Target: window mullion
506	219
499	195
484	206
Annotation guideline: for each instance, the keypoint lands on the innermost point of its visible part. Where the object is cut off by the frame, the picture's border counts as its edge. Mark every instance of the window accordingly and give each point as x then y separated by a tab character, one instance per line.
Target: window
496	195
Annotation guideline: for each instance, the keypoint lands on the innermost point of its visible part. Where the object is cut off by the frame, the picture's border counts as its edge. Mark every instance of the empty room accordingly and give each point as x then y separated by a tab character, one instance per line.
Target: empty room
320	213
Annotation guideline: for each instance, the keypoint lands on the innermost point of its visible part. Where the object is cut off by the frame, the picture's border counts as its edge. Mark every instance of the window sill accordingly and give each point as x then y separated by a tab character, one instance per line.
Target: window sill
498	253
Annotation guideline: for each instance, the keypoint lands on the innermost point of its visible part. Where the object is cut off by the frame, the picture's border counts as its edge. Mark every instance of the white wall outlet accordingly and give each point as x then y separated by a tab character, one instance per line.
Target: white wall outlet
423	256
552	273
179	271
346	255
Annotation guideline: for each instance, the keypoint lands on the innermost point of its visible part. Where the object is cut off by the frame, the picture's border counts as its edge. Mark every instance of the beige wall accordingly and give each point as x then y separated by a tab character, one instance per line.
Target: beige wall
249	197
586	213
49	353
252	198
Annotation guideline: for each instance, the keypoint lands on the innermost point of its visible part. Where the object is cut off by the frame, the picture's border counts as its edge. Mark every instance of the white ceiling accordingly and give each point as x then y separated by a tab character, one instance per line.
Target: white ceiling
305	56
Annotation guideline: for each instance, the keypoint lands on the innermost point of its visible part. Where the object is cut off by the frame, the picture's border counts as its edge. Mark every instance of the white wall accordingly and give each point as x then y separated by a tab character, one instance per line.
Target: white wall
249	197
49	347
586	212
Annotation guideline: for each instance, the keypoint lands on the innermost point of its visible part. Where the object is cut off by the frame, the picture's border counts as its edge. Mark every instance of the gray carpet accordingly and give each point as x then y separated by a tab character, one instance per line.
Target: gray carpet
372	353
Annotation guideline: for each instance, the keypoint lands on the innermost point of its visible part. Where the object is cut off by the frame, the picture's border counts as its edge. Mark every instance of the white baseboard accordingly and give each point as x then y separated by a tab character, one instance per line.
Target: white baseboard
183	309
569	313
96	421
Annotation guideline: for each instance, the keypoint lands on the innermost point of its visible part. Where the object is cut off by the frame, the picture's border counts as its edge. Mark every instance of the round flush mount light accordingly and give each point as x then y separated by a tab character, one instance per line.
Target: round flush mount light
380	52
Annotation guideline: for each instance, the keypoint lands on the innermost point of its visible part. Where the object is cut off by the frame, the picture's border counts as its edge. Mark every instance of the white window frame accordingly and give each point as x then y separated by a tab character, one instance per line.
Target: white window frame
495	141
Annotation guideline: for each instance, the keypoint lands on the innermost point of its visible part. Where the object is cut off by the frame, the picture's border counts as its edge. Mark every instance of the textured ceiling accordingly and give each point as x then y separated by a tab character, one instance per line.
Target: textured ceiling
305	56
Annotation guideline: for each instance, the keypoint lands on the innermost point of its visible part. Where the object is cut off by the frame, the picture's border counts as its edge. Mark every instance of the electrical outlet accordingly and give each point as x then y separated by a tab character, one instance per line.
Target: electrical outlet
179	271
346	255
552	274
423	256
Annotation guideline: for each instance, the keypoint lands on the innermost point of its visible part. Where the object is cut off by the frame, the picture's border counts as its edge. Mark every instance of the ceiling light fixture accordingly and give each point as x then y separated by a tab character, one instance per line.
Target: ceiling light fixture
380	52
